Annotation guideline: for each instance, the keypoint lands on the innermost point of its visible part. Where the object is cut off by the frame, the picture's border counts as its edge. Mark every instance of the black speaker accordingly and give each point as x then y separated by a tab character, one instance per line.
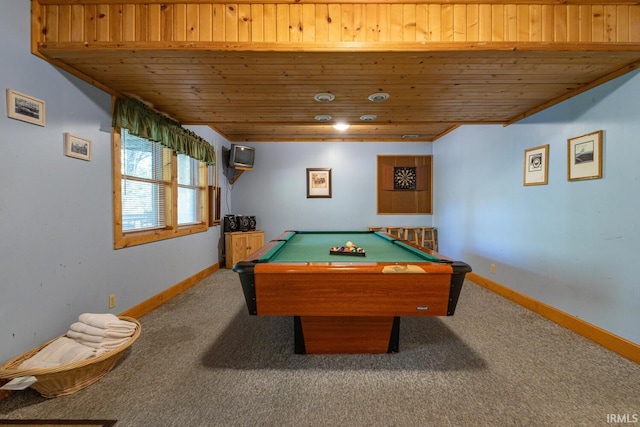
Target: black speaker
230	223
252	223
243	222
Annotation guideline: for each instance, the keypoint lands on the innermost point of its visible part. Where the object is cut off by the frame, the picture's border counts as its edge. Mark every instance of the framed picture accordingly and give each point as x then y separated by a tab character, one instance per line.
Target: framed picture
536	165
584	156
77	147
318	183
25	108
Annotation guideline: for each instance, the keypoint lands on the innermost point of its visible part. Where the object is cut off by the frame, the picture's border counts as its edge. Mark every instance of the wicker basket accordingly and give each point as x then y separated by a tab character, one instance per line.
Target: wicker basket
69	378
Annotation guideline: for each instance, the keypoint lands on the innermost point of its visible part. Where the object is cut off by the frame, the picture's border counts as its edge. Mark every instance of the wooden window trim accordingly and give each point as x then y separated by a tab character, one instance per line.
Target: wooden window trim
170	231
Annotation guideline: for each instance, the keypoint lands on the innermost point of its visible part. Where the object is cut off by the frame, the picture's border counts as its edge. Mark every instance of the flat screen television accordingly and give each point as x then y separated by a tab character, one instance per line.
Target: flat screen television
241	157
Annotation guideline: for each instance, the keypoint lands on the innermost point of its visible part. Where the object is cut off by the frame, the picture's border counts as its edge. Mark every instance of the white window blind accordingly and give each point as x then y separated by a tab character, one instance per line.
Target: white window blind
143	188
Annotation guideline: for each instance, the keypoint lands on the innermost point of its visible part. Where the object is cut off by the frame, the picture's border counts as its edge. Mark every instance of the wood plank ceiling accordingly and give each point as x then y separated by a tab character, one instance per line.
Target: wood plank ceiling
265	92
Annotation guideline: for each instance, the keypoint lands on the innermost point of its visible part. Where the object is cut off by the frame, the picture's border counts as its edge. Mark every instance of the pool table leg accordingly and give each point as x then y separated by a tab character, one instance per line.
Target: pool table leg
298	337
346	334
394	339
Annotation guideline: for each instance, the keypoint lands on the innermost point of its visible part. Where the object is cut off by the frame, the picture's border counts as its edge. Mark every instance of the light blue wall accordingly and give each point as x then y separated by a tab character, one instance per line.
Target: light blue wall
56	218
275	190
574	245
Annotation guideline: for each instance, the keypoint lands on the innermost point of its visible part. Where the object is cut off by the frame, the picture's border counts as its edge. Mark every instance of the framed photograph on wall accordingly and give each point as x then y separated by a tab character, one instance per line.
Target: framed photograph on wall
25	108
318	183
536	165
77	147
584	156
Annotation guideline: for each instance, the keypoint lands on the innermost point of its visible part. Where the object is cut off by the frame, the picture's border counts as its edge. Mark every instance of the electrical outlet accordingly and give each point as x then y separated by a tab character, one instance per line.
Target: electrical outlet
493	269
112	300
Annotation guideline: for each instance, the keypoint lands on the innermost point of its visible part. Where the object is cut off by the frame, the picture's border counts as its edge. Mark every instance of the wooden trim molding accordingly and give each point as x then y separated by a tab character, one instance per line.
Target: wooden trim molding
598	335
157	300
128	23
542	2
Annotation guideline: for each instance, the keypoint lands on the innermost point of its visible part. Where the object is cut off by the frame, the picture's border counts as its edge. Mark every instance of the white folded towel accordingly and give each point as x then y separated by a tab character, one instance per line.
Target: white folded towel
93	335
107	321
79	336
106	344
83	328
61	351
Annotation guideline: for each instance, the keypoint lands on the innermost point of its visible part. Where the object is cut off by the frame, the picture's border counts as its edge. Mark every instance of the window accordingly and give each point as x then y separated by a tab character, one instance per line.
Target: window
142	184
158	194
187	190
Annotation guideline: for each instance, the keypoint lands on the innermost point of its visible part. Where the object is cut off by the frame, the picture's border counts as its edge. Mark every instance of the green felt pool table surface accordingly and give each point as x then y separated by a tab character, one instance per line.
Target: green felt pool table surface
311	246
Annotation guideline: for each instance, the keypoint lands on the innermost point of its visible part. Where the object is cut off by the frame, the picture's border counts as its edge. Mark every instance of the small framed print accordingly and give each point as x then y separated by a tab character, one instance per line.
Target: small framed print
536	165
25	108
584	156
318	183
77	147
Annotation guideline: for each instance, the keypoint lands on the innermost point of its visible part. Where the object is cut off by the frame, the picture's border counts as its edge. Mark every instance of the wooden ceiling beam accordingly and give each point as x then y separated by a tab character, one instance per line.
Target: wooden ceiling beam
444	2
249	69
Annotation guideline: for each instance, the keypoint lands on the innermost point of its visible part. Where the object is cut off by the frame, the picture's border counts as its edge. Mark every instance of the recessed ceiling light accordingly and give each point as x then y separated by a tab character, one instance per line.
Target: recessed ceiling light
323	117
341	126
324	97
378	97
368	117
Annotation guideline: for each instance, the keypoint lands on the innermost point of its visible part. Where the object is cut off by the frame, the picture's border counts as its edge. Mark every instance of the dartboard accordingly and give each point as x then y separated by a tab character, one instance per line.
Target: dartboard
404	178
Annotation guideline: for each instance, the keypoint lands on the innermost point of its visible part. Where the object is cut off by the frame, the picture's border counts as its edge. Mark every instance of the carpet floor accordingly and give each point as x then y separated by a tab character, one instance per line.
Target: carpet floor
201	360
57	423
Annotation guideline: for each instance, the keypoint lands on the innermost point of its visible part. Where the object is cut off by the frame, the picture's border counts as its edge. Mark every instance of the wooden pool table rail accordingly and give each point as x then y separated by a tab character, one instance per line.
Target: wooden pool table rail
349	307
368	273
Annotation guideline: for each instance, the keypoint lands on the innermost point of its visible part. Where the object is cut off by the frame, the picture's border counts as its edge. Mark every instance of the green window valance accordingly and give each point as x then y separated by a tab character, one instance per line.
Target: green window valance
142	121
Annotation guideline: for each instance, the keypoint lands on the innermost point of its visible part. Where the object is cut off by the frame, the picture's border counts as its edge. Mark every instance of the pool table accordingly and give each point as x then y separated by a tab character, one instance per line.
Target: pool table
348	303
